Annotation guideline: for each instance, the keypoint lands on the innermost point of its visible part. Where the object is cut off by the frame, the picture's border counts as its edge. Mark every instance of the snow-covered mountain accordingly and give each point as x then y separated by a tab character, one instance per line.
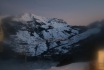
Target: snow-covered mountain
37	35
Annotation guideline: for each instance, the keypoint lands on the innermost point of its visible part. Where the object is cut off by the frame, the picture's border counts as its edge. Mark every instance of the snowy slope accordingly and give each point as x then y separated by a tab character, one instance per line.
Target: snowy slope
37	35
73	66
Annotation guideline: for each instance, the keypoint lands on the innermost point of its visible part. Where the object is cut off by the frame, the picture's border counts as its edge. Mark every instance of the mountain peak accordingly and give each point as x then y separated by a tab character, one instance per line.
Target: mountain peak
26	15
29	17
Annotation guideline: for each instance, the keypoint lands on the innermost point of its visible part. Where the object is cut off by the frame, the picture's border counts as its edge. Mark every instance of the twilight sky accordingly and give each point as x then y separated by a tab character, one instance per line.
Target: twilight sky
74	12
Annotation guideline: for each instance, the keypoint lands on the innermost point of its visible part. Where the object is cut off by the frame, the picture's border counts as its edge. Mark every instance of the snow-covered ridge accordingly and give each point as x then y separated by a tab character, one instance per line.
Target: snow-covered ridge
28	17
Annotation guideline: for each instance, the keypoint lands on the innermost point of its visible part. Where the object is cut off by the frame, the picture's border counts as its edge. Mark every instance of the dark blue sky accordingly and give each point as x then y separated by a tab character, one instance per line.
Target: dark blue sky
75	12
